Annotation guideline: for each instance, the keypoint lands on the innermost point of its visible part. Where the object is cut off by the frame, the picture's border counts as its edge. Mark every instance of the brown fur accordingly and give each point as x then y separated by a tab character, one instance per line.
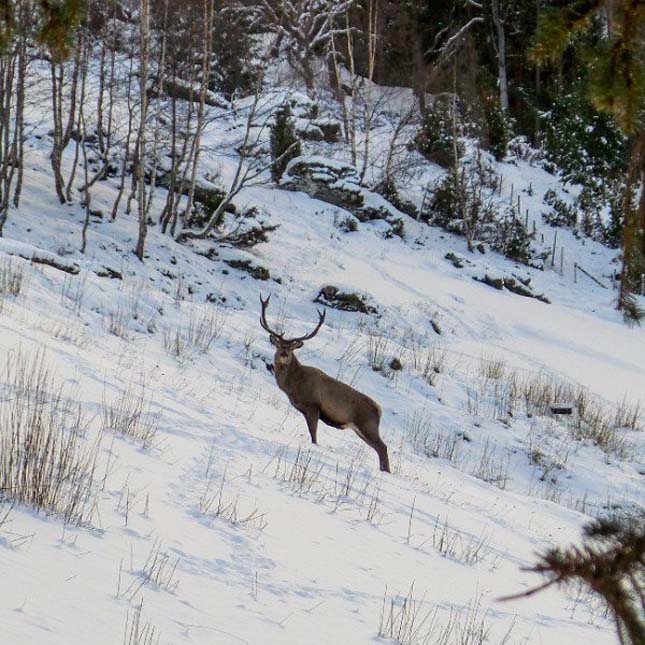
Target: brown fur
320	397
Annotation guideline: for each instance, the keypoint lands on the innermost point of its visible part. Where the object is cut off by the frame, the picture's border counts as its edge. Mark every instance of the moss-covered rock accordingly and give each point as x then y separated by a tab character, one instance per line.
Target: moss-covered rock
345	301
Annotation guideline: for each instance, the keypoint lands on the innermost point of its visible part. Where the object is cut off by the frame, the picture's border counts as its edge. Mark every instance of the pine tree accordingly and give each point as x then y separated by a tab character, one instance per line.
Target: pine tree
610	563
616	85
285	144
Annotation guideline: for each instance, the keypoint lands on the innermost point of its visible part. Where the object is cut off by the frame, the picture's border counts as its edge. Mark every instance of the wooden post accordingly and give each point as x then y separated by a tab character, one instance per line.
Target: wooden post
512	187
555	240
575	273
562	260
526	220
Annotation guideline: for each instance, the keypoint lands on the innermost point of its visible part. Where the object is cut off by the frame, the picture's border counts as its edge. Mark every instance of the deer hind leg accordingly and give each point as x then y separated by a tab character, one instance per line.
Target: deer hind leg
373	440
312	415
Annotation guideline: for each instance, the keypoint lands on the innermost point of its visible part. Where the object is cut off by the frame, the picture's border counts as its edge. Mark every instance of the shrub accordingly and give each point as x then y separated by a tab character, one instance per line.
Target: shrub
435	139
582	142
43	461
512	239
561	214
499	130
285	144
387	189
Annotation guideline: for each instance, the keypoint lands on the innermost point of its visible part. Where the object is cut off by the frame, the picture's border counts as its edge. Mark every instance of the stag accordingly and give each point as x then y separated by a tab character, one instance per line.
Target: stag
319	397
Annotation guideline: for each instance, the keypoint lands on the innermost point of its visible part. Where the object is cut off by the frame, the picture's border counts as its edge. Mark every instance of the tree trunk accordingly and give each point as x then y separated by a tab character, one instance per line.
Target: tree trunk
500	39
144	39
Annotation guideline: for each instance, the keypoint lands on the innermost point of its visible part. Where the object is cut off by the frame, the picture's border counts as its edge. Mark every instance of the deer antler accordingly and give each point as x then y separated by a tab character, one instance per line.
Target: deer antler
265	324
263	317
321	320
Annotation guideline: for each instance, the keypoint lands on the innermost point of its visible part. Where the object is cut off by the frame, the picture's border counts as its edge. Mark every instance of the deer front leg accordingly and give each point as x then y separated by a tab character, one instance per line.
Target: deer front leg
312	415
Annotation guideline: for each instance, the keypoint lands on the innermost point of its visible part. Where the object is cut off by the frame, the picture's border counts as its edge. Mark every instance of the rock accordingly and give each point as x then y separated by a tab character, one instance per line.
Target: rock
496	283
396	365
457	262
107	272
330	129
332	297
255	271
330	181
337	183
512	285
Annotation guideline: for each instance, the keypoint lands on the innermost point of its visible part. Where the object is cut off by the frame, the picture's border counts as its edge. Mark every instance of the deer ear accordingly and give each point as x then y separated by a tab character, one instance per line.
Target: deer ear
297	345
274	340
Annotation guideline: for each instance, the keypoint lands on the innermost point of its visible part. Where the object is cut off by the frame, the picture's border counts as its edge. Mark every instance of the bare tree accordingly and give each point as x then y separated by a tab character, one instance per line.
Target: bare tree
144	54
64	114
207	46
304	28
251	168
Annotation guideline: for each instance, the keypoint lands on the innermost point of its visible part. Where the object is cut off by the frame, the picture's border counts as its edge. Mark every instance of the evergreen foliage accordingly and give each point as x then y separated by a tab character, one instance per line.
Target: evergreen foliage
435	137
387	189
55	23
499	129
512	239
234	50
610	563
285	144
584	144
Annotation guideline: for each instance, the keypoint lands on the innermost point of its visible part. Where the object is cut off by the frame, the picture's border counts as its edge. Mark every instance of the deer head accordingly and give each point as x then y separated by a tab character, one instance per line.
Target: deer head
286	346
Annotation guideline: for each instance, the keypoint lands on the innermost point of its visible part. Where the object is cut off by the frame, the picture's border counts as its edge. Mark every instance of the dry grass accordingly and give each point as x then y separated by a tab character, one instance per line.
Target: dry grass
12	277
456	545
217	502
348	487
408	621
440	444
138	632
197	337
131	414
115	322
492	466
500	393
44	461
492	368
73	293
378	349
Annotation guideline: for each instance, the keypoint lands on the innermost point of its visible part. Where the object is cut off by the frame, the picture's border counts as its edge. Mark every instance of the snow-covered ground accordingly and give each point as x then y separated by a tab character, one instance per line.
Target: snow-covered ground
231	527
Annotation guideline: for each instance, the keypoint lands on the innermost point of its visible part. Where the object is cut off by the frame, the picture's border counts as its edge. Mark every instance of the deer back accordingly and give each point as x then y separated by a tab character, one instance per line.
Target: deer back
337	402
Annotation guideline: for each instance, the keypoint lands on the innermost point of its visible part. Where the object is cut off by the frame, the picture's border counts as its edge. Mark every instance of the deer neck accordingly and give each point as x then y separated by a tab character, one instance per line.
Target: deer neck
285	375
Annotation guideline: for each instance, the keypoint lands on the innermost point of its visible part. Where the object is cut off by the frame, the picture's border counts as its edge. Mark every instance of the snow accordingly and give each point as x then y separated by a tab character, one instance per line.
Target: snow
314	561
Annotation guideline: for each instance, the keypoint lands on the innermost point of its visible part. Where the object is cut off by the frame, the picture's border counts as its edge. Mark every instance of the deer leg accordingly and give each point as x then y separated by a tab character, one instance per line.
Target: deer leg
381	451
312	415
374	441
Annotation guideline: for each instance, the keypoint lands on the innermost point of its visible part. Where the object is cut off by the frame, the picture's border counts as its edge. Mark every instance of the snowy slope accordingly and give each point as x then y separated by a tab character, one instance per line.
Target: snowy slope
258	537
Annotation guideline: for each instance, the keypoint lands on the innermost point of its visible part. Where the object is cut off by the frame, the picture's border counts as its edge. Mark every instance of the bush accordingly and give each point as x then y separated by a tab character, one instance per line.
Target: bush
513	239
435	139
582	142
499	130
561	213
387	189
633	313
285	144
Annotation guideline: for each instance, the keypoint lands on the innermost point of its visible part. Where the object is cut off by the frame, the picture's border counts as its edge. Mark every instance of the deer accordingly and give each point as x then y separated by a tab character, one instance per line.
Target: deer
318	396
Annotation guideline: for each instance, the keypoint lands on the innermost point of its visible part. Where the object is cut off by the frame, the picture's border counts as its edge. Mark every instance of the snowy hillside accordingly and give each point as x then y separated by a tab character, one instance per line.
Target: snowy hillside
208	517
